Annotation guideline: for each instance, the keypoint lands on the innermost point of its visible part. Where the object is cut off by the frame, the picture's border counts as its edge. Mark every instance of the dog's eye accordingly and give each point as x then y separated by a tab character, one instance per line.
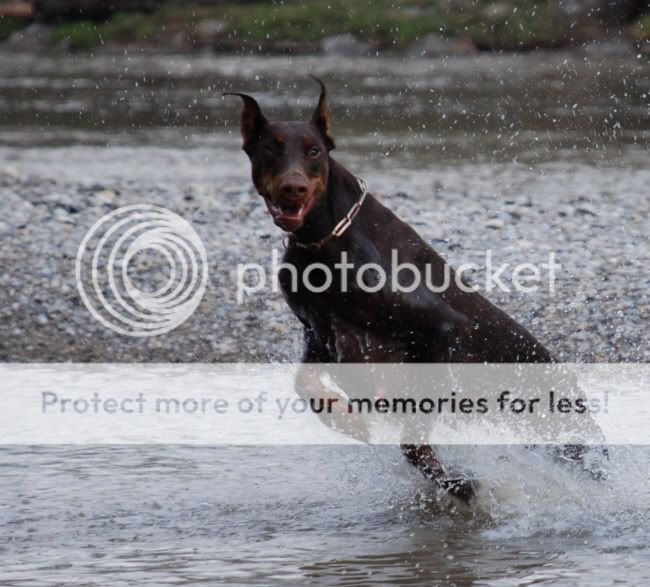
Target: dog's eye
274	149
313	152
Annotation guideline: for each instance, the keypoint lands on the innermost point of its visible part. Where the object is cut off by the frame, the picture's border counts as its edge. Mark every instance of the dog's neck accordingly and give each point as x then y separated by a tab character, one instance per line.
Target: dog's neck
343	190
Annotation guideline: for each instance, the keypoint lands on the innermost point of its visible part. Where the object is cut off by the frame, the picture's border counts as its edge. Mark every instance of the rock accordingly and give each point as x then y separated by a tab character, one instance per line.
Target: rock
281	329
433	45
33	37
497	11
495	223
18	212
412	11
64	201
346	45
572	6
90	186
516	212
208	31
609	48
62	215
644	48
586	210
227	346
9	172
105	197
180	41
274	305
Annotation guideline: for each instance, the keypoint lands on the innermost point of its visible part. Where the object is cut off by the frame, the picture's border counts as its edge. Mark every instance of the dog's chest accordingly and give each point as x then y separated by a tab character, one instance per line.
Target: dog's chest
344	322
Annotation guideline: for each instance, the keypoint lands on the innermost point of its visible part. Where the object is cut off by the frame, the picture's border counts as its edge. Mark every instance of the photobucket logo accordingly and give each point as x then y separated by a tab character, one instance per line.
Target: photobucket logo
141	270
398	276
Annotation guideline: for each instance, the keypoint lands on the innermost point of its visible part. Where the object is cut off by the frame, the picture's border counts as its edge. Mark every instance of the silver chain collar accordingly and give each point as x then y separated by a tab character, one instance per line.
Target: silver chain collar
341	226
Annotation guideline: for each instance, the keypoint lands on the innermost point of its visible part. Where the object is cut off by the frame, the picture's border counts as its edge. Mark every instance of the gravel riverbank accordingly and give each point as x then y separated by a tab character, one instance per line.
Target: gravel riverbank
595	219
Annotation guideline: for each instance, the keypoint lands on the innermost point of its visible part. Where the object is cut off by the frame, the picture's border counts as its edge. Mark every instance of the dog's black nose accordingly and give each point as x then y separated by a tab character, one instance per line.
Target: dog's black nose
294	188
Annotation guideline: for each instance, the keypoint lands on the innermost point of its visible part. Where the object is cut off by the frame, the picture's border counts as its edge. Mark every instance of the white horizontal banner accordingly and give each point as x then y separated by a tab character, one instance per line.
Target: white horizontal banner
261	404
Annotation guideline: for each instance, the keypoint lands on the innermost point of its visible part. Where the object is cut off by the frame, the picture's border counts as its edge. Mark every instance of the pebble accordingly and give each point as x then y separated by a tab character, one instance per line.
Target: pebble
495	223
9	171
105	197
586	209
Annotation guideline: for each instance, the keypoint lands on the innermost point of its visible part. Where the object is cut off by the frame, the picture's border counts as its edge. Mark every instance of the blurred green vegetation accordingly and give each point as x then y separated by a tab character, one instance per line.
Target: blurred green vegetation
540	25
641	29
11	24
85	35
370	20
510	26
298	21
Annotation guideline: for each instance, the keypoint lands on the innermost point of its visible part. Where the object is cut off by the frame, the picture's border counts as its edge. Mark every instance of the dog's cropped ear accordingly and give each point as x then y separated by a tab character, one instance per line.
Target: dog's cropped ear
321	118
253	121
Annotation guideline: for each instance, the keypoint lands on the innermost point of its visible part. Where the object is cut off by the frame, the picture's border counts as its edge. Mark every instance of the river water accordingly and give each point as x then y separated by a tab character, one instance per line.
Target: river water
348	515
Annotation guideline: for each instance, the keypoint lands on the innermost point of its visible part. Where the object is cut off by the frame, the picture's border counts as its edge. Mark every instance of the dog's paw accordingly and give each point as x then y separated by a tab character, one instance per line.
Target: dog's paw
350	424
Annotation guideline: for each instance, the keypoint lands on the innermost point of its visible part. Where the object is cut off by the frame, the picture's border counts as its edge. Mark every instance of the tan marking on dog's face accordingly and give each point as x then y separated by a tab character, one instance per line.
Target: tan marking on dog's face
290	152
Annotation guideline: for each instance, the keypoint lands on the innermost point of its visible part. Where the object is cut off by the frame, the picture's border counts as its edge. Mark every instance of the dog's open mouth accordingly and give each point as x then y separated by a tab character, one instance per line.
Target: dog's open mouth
288	215
291	209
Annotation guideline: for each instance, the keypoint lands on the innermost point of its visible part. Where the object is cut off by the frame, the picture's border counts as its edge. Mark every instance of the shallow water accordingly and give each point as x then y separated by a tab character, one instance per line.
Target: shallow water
328	515
346	515
530	108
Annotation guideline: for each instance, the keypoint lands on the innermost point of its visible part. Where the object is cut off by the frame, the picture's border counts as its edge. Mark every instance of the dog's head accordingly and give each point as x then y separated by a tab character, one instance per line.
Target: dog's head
289	160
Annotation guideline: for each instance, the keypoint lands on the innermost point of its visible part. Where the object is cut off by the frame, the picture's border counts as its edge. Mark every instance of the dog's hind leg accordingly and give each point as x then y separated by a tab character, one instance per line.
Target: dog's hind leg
590	458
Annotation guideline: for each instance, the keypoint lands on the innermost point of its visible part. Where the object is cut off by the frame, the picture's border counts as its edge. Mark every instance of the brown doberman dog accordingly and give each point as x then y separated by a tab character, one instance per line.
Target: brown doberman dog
327	211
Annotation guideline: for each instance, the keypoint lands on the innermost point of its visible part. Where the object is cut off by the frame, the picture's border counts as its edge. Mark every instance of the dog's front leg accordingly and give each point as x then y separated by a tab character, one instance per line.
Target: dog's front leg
334	409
